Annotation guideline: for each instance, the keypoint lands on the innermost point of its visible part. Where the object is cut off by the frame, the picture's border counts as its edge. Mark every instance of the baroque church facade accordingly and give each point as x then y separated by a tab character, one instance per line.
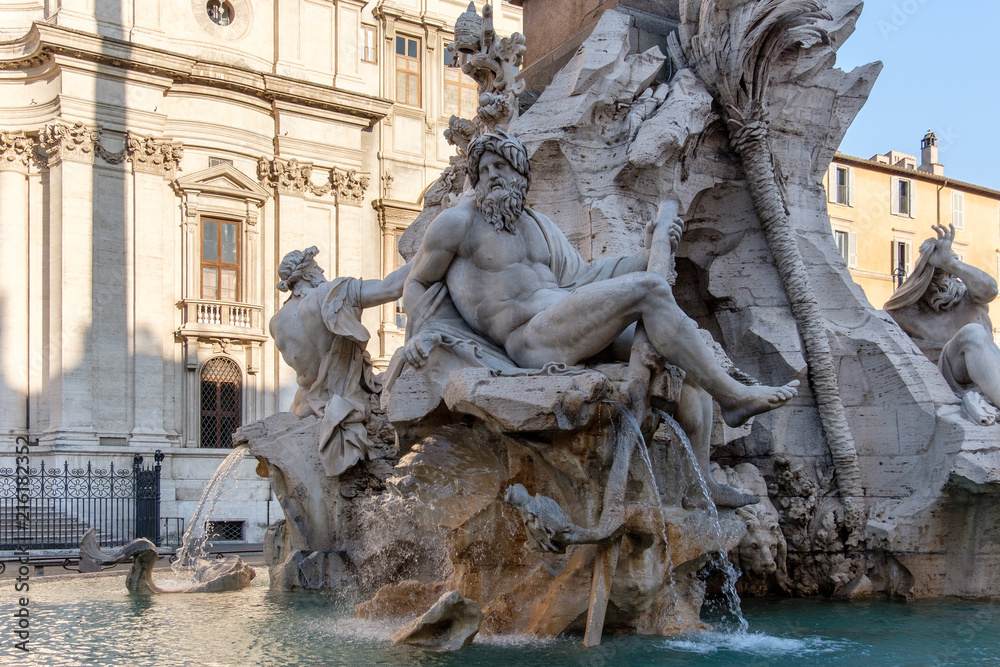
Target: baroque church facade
157	160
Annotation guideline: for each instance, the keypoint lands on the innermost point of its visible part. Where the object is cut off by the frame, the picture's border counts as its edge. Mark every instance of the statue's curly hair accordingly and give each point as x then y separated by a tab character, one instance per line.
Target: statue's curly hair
299	265
506	146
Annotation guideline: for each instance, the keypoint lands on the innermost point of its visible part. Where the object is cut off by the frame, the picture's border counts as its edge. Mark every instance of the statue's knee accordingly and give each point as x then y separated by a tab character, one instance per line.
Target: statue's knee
974	335
652	285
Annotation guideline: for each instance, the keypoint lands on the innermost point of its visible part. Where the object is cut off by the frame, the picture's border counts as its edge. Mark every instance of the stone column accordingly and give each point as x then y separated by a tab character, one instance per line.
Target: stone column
15	152
190	251
289	179
70	155
152	161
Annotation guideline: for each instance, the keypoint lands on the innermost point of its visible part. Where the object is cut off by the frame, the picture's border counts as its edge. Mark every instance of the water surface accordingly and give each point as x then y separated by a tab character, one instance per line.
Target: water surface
77	621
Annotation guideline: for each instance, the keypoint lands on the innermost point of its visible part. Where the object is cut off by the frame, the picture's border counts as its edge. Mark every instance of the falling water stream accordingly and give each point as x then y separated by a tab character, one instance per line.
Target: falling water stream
720	558
191	556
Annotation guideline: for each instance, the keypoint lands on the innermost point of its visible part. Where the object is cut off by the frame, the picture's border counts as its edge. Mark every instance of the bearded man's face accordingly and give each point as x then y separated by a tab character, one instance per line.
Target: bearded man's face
501	192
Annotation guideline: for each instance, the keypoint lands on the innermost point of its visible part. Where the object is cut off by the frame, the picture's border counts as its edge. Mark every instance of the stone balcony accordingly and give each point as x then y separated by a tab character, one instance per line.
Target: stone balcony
222	319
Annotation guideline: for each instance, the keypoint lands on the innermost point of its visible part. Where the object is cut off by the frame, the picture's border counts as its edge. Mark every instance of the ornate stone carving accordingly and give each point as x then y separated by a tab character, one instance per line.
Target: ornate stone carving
68	142
755	35
16	151
153	156
294	177
285	176
491	62
350	186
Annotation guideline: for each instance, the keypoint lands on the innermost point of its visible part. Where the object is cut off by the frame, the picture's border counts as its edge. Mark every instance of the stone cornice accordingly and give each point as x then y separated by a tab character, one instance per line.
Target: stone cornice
44	42
395	214
294	177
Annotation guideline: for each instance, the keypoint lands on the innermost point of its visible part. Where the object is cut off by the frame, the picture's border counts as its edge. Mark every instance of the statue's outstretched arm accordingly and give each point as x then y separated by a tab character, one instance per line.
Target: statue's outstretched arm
982	287
375	292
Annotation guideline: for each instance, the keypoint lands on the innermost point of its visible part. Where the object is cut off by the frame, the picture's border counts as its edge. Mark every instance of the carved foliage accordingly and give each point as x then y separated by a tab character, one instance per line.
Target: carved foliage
814	525
350	185
77	142
288	176
294	177
153	156
16	151
68	142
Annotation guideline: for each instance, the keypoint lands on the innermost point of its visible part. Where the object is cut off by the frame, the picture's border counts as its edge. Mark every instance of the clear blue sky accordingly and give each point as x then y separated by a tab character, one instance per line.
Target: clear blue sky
941	71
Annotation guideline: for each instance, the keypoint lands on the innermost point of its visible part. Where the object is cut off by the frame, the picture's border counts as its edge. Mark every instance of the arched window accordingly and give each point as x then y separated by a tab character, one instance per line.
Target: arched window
220	402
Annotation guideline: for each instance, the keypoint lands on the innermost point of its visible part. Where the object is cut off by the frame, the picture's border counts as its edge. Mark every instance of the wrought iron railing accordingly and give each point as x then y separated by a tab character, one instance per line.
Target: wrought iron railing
51	508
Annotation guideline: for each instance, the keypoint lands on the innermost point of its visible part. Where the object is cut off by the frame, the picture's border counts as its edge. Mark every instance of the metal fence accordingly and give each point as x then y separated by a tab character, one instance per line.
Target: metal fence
51	508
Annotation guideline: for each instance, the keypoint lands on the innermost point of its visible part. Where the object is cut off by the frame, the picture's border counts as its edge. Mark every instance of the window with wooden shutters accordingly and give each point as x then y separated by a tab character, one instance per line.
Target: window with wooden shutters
958	209
900	262
903	197
842	185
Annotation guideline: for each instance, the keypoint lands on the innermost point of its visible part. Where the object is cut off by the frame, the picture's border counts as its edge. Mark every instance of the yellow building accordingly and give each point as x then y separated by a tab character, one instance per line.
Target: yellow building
882	209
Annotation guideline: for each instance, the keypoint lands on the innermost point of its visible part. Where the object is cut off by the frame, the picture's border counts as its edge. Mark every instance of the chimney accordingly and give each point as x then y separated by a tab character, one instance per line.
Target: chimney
929	155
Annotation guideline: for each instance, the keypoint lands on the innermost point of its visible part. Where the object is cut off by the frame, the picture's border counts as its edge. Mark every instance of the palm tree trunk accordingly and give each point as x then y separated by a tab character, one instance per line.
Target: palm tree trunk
750	142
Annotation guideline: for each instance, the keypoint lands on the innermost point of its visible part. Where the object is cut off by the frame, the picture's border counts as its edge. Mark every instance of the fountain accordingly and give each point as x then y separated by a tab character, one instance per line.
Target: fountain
193	570
520	468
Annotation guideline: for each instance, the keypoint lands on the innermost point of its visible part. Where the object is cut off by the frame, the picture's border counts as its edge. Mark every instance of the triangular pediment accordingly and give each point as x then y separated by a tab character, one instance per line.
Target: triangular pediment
223	180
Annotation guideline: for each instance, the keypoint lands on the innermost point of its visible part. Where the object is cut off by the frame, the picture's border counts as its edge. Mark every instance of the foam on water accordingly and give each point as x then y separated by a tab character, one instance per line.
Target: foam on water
520	641
757	644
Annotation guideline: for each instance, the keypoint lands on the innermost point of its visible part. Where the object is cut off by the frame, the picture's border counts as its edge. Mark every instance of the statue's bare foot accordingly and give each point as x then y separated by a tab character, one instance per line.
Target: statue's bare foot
755	400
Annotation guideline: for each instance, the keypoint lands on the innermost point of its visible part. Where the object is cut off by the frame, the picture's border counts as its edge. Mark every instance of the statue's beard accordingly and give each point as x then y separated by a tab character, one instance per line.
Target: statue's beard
945	291
501	201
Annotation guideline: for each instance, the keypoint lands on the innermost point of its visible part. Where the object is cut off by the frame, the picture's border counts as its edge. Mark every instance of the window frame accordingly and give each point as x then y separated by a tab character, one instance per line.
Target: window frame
465	82
896	197
219	265
366	48
849	248
399	313
405	98
897	279
218	413
958	209
835	188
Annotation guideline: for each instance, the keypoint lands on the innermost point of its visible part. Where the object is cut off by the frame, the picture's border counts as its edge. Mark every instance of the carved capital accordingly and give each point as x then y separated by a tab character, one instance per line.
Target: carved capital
68	142
154	156
16	151
350	186
285	176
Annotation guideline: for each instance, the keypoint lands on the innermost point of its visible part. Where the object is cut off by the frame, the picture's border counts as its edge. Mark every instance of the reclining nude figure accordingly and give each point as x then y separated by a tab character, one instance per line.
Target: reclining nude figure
514	278
943	307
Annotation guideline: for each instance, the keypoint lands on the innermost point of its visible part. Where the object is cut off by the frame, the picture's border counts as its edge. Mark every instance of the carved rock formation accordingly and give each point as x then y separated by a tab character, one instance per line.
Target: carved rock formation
453	622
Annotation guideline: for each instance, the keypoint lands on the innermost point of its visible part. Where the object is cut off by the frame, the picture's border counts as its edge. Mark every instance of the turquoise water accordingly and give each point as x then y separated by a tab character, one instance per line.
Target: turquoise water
77	621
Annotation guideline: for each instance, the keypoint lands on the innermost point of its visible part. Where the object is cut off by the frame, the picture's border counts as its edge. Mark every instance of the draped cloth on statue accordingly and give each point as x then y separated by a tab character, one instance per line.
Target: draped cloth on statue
345	381
435	314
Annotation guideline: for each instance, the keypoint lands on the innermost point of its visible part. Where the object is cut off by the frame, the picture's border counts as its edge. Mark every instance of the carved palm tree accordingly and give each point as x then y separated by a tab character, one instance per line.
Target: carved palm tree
732	45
